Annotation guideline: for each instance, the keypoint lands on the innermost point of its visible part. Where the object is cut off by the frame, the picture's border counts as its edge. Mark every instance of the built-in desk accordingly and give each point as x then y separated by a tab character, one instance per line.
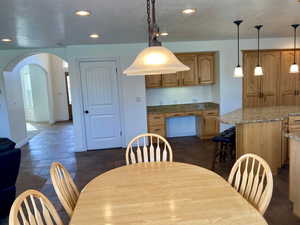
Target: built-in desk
206	113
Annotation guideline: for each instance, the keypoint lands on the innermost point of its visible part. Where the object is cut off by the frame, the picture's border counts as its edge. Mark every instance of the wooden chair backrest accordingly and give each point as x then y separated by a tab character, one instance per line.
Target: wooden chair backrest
33	208
149	148
64	187
251	176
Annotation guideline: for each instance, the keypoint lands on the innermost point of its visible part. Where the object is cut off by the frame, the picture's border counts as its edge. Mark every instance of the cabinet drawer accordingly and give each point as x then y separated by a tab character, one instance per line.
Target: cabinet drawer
294	120
175	114
160	130
156	119
210	113
294	128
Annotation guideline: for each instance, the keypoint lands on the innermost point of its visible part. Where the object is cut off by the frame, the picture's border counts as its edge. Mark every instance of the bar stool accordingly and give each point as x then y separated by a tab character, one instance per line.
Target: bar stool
225	146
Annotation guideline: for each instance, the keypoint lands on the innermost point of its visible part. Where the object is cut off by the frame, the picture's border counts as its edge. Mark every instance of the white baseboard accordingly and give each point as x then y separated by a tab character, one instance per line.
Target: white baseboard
23	142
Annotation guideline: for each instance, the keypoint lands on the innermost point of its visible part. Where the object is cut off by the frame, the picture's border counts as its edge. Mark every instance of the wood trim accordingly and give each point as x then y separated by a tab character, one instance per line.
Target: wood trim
196	53
269	50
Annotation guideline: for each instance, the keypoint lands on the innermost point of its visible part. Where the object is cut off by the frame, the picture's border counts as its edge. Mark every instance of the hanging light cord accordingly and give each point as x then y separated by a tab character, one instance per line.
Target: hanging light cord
258	61
149	22
238	36
153	29
258	27
238	22
295	38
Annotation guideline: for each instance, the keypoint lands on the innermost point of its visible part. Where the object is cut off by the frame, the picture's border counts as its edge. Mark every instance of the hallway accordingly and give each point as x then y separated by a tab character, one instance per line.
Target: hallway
56	143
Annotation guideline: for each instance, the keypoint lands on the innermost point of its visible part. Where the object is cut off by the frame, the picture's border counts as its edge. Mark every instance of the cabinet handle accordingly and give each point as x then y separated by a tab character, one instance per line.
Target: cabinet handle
157	129
156	117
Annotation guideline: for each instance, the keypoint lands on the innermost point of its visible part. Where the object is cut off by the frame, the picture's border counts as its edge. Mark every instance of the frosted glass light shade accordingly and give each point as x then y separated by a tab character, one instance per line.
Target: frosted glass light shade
238	72
258	71
294	68
155	60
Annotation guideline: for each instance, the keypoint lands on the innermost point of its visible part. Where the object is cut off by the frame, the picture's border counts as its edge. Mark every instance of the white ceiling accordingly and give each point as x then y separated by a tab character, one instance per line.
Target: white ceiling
52	23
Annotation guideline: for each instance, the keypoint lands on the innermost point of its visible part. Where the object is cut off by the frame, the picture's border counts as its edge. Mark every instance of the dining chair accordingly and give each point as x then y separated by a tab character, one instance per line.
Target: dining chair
148	148
64	187
251	176
33	208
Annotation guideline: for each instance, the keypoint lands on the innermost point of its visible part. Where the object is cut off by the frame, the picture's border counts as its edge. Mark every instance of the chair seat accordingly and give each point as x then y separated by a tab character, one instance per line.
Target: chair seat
227	136
222	139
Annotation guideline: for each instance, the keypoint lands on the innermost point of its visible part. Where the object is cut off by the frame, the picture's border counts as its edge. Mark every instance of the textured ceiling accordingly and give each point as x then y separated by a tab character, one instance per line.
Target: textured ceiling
52	23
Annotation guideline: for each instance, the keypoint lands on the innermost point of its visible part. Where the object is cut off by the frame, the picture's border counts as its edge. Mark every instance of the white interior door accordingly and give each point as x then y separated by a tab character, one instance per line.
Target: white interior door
101	104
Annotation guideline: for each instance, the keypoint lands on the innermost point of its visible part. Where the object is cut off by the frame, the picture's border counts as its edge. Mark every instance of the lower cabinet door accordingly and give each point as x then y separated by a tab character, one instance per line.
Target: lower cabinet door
160	130
209	127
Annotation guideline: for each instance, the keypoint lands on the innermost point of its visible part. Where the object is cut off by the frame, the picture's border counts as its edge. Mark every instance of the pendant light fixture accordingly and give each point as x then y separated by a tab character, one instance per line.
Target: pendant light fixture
238	70
258	71
294	67
155	59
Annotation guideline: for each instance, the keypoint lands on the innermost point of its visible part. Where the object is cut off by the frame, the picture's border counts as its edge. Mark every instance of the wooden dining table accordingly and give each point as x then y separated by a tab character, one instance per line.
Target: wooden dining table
162	193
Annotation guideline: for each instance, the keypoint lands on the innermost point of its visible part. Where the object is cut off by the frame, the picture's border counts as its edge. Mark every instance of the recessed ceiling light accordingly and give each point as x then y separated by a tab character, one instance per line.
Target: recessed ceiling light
83	13
189	11
94	36
6	40
164	34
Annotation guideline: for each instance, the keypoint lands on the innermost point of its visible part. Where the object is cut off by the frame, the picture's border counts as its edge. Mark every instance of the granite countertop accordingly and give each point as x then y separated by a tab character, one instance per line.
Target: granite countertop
183	107
293	135
260	114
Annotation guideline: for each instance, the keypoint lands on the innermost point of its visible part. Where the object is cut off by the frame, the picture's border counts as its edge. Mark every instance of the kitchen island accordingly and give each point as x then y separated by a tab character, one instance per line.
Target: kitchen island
262	131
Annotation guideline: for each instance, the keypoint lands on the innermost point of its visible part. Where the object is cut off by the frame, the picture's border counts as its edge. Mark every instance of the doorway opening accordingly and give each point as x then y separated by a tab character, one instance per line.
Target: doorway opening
38	96
35	98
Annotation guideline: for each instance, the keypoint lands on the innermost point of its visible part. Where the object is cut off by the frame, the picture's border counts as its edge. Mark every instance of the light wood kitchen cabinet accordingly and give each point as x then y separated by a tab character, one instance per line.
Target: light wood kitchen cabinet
271	66
251	84
156	124
209	125
153	81
289	83
261	90
170	80
202	72
206	72
188	78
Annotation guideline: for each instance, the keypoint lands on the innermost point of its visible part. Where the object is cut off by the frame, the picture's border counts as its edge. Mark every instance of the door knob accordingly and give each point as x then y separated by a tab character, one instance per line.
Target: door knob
86	111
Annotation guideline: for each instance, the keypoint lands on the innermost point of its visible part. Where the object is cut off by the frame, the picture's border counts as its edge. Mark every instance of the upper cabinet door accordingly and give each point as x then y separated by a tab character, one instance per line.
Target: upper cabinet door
206	73
170	80
153	81
288	81
251	83
270	62
188	78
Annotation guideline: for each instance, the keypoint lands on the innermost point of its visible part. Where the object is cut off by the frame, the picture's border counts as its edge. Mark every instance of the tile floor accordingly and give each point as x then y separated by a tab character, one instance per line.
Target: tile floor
57	144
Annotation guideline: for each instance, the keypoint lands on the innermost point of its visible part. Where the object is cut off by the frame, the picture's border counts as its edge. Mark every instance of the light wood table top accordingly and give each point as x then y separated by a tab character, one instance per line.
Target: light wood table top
162	193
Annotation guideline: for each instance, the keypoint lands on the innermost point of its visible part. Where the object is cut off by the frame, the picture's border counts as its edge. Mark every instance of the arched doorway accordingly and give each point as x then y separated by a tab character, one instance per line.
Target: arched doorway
51	98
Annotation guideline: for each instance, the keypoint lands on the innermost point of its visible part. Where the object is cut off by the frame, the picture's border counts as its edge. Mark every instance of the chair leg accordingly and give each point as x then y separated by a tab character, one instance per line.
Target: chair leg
215	155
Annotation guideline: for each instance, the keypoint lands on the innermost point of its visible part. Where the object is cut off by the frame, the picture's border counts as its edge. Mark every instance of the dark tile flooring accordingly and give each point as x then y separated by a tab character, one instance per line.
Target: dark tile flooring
57	144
